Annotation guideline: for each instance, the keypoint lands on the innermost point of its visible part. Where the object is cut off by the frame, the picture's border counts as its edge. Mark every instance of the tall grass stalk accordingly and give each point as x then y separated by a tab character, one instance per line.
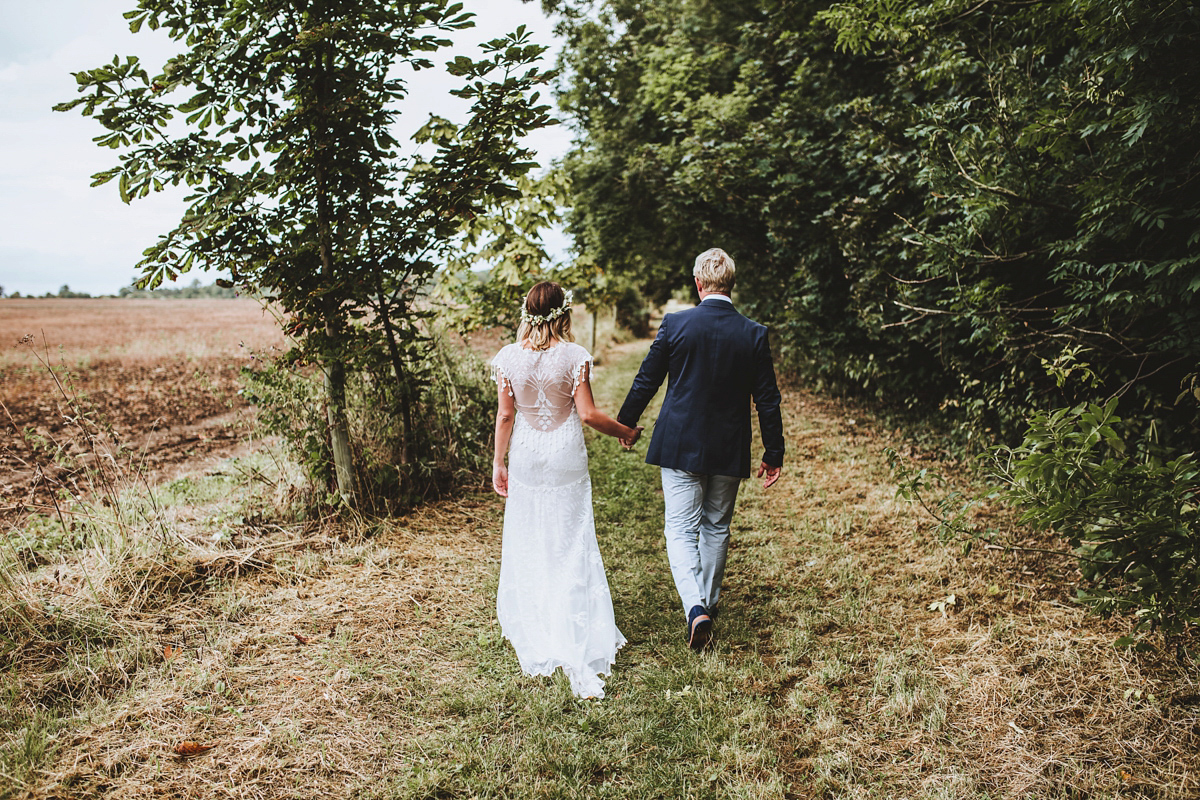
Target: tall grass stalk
83	571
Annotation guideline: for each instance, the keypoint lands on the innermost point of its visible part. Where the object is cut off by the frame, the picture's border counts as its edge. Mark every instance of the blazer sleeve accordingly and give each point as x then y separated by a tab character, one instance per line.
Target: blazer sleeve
651	375
766	402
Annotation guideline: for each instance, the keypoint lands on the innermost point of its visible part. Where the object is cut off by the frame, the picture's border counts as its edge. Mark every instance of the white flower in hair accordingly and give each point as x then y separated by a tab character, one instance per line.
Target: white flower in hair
552	314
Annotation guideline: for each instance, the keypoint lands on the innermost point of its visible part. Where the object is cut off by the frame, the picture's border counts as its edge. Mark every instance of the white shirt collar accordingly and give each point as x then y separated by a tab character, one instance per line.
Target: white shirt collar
718	296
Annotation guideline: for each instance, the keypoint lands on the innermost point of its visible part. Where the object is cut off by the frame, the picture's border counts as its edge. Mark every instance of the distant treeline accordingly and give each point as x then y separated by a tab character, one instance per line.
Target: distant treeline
194	291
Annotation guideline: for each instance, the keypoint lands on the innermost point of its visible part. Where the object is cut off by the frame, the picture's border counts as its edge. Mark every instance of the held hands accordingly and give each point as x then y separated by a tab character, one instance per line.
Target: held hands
500	479
772	473
629	441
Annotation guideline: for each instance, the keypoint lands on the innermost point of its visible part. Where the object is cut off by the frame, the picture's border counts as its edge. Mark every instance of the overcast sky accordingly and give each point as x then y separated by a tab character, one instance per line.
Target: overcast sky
54	228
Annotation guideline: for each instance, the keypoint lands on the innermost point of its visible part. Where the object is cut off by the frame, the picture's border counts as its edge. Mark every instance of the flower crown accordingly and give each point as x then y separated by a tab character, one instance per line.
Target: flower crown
552	314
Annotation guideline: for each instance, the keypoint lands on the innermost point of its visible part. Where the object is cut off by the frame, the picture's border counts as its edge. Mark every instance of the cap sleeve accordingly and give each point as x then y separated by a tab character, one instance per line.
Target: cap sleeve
582	365
499	364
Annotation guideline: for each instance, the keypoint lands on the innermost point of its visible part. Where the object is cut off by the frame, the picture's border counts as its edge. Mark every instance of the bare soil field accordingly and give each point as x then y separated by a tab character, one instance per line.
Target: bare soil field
157	377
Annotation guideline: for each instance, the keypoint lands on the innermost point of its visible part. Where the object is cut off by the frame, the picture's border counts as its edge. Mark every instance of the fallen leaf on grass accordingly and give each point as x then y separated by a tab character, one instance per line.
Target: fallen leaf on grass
170	651
189	749
301	639
949	601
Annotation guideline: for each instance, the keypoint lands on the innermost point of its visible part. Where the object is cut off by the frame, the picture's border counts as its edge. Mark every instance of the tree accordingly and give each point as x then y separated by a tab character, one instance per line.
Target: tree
988	207
298	185
502	257
1056	253
983	208
738	124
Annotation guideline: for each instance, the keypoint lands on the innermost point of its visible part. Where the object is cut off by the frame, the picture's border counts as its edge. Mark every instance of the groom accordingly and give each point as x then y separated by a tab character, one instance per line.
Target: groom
715	361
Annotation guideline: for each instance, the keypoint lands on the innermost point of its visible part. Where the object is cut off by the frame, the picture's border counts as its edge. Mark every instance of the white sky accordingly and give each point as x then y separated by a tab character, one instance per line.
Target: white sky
54	228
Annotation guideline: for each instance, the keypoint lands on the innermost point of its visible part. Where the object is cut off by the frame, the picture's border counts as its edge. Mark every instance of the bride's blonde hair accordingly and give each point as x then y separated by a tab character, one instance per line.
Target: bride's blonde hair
545	316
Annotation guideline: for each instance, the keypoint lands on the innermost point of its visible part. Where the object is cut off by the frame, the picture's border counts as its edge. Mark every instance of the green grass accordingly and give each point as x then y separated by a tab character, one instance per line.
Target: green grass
830	676
673	724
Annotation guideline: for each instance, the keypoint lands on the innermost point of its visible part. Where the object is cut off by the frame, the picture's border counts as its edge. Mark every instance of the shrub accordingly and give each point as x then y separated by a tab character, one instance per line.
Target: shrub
633	312
445	395
1130	513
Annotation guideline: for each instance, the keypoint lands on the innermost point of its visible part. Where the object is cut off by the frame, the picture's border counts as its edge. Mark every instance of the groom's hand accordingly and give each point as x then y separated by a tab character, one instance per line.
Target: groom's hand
629	442
772	473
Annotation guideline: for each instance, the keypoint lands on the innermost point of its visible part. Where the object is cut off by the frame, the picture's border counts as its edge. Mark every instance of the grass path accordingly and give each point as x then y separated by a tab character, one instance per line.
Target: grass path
373	667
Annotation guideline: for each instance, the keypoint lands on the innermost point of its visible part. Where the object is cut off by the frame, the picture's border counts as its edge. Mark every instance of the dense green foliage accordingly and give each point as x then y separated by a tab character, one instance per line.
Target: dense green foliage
1133	517
984	205
299	187
454	402
987	209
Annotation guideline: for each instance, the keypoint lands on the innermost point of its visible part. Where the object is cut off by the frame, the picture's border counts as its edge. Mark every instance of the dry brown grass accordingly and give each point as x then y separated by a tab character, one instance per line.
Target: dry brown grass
134	332
1014	691
303	675
344	658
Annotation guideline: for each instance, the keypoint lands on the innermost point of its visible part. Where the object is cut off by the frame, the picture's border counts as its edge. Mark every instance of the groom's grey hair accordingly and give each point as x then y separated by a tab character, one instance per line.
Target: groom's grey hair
714	270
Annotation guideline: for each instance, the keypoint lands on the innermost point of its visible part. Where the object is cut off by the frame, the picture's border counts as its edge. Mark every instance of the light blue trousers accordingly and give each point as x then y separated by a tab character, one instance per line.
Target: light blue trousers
698	509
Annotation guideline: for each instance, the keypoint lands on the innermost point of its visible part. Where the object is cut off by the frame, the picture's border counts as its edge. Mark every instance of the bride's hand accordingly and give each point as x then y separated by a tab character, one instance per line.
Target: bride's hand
630	441
500	479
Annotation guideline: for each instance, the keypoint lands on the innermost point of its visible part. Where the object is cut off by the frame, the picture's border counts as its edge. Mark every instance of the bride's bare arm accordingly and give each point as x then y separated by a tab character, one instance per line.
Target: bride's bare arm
593	417
506	412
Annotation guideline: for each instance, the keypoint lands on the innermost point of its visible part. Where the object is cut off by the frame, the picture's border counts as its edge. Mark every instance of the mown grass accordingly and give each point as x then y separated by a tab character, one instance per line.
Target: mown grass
673	724
362	658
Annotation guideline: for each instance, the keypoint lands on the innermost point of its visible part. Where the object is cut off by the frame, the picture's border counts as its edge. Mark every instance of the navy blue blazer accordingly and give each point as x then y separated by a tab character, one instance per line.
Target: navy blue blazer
715	361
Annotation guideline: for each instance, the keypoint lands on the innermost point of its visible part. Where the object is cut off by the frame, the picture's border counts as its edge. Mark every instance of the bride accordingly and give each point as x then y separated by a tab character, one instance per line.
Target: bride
553	602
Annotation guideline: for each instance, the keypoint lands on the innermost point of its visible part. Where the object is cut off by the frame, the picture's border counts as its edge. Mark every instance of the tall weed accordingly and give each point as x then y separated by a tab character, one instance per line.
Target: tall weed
448	400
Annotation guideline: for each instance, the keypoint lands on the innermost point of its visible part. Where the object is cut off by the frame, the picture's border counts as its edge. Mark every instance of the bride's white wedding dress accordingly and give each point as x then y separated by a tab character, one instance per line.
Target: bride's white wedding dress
553	602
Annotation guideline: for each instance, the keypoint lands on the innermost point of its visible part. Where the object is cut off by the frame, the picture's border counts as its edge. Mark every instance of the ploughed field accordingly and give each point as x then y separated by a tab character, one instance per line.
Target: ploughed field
156	378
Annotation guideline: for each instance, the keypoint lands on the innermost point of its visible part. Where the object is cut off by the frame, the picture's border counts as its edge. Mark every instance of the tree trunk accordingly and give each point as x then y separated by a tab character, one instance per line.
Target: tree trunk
397	367
339	434
335	368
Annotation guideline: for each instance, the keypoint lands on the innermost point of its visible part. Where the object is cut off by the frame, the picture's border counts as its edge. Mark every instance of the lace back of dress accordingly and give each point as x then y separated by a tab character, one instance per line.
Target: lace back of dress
543	382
